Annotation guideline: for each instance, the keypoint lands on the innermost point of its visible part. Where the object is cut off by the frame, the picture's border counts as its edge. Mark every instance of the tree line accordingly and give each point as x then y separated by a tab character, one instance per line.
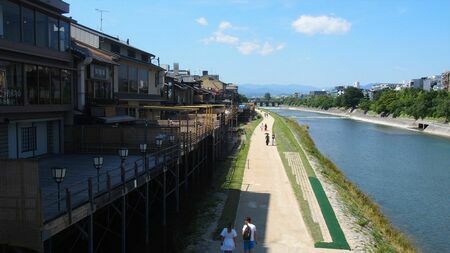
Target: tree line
408	102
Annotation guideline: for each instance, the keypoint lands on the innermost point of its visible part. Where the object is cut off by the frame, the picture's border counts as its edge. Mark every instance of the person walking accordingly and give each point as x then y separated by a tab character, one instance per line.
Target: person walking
273	139
265	127
267	139
228	237
249	235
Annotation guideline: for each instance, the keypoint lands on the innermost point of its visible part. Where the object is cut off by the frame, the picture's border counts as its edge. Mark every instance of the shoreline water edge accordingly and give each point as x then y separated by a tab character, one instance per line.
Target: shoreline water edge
433	128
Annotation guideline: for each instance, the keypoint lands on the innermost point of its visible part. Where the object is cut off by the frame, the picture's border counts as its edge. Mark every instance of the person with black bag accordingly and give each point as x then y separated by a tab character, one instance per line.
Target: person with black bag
249	235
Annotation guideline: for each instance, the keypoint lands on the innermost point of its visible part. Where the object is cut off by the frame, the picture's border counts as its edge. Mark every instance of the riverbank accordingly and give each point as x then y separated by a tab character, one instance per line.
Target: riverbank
434	128
355	203
219	204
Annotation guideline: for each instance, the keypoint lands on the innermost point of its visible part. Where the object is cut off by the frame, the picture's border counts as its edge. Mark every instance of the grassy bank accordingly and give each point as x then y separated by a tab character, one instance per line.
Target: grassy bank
227	181
233	180
386	237
287	142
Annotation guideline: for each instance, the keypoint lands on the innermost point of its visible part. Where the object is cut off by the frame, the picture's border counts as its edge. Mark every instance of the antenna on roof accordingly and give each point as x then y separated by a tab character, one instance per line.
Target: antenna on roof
101	18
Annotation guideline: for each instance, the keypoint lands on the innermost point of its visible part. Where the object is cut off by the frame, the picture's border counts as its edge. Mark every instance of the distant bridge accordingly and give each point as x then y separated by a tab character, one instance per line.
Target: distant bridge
267	102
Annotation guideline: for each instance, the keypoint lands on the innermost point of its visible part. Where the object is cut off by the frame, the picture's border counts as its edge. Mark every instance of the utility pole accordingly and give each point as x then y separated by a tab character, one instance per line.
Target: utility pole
101	18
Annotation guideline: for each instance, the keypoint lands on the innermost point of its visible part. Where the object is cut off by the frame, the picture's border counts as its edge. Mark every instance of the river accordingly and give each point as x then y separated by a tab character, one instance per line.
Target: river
407	173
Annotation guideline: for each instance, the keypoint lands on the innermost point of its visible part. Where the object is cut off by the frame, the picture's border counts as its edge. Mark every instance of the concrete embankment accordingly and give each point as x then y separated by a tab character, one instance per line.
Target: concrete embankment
424	126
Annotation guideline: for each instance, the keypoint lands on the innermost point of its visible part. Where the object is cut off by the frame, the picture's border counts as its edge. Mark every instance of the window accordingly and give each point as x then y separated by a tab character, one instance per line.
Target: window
41	30
9	21
27	25
66	86
64	36
56	86
123	78
44	85
11	83
131	53
28	139
144	57
115	48
53	30
31	80
132	79
143	81
156	78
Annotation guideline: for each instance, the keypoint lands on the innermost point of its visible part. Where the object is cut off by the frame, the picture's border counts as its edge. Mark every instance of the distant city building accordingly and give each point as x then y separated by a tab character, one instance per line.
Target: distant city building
356	84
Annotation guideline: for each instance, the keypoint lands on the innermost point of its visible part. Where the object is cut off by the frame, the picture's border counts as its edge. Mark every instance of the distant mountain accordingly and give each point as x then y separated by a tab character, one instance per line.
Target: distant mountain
257	90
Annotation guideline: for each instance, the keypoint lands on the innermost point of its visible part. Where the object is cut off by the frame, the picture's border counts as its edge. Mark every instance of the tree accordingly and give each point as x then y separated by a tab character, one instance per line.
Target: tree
351	97
267	96
242	98
443	107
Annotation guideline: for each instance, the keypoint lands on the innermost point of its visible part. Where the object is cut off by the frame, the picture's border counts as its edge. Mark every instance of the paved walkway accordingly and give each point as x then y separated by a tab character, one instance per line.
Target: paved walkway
268	198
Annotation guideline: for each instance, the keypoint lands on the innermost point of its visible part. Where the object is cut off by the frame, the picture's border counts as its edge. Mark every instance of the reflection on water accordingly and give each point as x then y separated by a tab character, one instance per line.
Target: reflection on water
407	173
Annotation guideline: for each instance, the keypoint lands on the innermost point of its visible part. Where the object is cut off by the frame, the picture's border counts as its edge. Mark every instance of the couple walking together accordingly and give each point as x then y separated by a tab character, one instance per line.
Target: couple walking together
229	235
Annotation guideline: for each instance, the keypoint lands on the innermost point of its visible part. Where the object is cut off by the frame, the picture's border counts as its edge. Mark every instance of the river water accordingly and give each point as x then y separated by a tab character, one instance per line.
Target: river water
407	173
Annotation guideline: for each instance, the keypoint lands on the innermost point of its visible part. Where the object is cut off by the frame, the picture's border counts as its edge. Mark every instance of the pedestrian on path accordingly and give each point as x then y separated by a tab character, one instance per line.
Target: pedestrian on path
265	127
249	235
262	126
267	139
273	139
228	237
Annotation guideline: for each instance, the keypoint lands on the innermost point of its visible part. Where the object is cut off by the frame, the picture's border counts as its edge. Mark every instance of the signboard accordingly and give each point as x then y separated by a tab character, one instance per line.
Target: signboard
99	72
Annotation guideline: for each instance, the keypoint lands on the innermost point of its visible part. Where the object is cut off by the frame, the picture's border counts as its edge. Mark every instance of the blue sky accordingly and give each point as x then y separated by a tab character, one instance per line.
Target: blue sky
309	42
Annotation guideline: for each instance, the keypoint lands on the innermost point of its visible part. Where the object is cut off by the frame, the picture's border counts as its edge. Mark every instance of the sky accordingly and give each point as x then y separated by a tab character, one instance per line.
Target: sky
309	42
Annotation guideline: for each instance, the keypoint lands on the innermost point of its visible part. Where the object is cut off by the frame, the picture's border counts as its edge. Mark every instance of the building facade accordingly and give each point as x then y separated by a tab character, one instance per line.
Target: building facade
36	74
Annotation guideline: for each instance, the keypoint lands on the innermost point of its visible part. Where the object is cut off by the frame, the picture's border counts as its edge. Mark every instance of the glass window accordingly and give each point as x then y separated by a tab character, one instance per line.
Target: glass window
131	53
28	139
9	20
144	57
66	86
41	30
31	81
115	48
123	78
64	36
132	79
156	78
11	88
143	81
44	85
27	25
56	86
53	30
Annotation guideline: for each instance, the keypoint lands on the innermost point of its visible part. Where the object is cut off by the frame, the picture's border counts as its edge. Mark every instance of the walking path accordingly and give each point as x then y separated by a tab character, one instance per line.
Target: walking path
267	197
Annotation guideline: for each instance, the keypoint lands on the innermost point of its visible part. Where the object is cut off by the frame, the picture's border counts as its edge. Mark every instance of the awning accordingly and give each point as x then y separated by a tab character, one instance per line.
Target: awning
117	119
96	54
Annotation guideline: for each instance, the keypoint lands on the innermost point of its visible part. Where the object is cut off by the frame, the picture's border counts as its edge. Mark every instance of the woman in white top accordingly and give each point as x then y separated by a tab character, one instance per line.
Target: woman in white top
228	237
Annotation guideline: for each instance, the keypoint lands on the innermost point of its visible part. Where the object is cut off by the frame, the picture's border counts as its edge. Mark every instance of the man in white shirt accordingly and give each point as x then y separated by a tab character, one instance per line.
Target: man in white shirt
249	235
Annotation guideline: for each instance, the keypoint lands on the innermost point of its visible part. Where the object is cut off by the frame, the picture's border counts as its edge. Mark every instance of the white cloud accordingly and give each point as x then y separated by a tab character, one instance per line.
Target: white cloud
222	35
311	25
202	21
247	47
225	25
267	48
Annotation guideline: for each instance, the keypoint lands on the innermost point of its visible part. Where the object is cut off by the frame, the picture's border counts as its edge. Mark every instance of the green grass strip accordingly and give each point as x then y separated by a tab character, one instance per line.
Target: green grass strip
337	235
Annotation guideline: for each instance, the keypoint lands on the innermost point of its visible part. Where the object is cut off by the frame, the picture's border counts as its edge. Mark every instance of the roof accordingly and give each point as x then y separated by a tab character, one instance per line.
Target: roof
107	36
96	54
